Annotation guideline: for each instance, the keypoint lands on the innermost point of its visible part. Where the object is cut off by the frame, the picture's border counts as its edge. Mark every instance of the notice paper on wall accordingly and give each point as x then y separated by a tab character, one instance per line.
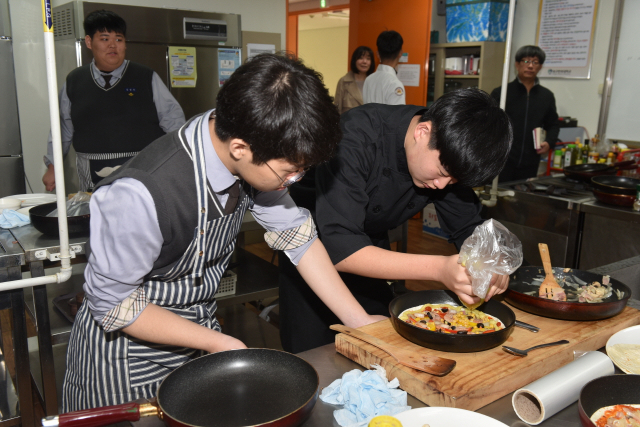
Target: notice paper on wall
228	62
409	74
182	66
254	49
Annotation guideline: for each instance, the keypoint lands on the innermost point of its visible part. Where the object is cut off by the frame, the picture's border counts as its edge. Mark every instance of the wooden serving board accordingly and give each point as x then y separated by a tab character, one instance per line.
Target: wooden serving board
483	377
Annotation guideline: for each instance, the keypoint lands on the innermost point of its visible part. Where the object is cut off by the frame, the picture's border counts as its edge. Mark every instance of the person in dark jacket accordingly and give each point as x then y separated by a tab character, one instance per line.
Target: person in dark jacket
392	161
529	106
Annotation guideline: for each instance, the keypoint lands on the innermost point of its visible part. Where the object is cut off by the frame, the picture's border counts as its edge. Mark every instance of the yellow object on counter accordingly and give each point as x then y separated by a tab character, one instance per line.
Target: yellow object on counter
385	421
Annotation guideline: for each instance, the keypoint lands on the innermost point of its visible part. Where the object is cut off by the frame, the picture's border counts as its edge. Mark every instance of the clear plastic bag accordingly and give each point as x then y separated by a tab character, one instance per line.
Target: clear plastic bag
492	248
76	206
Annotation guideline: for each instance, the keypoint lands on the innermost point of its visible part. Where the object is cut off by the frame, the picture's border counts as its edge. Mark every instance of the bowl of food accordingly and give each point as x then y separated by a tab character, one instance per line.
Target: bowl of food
437	319
590	296
612	400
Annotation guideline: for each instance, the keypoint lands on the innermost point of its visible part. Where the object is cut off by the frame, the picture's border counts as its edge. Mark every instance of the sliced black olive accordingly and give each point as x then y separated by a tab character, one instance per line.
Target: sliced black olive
429	315
480	325
453	328
469	317
423	321
444	309
461	332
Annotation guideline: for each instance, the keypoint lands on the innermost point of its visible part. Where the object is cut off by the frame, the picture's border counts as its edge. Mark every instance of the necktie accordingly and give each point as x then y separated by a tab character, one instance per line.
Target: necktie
232	201
107	78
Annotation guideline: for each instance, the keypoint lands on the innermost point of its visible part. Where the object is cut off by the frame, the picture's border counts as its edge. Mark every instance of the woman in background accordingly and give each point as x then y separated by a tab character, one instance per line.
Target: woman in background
349	89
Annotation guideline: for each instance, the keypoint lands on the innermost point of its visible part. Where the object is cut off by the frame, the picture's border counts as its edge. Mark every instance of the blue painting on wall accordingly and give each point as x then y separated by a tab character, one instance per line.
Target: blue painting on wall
469	21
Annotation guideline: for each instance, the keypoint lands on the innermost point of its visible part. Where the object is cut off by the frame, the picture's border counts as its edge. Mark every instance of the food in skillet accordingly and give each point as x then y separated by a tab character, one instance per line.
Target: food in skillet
577	290
451	319
617	416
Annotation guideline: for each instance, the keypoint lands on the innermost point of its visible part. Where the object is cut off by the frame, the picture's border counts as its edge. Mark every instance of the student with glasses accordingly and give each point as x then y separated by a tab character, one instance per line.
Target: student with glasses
529	106
164	227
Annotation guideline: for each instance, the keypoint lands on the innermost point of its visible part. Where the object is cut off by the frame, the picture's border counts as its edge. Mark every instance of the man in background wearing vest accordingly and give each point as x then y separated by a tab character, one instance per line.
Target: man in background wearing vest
383	86
112	108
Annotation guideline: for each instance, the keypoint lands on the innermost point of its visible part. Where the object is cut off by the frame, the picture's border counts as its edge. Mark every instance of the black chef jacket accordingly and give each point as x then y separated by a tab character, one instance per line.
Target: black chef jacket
361	194
527	111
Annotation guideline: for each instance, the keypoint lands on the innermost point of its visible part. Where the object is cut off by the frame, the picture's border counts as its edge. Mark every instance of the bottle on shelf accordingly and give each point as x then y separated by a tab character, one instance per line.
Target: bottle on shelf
569	156
557	159
578	154
610	158
585	152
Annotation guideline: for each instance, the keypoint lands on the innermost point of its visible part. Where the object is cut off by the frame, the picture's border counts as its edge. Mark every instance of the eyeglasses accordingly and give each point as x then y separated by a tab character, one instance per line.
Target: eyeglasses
292	178
527	62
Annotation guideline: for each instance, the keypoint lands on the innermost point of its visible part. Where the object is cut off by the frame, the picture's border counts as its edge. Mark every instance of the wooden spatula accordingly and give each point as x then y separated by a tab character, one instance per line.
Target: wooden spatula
433	365
549	288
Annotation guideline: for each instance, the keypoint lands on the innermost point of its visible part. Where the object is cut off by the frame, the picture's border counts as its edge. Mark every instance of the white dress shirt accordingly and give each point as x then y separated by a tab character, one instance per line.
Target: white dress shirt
384	87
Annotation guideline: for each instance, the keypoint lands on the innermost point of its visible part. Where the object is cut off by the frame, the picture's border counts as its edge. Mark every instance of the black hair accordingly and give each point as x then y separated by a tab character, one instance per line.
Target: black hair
281	108
104	20
472	133
529	52
389	45
359	53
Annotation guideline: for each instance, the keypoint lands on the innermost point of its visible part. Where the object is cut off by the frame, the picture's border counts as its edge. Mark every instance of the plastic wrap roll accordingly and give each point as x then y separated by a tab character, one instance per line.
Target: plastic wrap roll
547	396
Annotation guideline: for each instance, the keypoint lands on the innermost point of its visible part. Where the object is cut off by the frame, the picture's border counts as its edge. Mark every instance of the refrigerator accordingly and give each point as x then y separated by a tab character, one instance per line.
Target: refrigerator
12	177
210	41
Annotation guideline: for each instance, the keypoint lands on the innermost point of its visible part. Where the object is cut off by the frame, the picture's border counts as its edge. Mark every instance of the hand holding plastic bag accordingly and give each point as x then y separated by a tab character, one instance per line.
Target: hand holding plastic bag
490	249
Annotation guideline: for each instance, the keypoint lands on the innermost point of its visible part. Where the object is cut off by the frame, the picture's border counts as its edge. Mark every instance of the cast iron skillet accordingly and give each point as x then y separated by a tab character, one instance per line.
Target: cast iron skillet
607	391
520	283
449	342
78	225
248	387
615	184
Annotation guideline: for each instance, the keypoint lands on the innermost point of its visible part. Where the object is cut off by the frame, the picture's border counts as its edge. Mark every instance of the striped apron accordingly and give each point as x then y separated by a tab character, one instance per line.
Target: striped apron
109	368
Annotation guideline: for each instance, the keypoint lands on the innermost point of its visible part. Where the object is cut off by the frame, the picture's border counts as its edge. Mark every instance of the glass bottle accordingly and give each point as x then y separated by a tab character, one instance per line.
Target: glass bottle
585	152
578	154
569	156
557	159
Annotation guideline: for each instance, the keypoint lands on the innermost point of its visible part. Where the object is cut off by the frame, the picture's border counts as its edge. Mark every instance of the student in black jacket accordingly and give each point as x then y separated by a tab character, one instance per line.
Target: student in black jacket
392	161
529	105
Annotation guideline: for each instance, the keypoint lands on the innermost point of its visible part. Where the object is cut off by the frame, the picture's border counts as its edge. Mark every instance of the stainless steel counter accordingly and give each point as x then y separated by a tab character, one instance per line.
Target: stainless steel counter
609	233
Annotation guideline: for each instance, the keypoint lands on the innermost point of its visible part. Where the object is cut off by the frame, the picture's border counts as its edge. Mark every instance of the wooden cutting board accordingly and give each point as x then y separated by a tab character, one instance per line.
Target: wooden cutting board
483	377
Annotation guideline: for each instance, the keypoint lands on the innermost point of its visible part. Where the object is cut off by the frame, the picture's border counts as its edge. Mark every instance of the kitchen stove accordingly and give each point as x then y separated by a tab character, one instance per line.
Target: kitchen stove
544	210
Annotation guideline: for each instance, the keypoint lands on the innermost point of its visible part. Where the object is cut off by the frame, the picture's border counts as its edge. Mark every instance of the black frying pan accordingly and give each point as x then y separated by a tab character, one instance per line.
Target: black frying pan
624	185
607	391
520	282
449	342
586	172
77	225
248	387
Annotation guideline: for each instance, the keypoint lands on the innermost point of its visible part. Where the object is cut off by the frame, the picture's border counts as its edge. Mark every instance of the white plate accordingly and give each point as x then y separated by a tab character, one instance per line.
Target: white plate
35	199
24	211
626	336
445	417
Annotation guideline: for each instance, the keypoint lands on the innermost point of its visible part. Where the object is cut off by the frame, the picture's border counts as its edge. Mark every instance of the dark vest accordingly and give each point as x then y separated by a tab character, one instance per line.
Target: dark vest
165	168
121	119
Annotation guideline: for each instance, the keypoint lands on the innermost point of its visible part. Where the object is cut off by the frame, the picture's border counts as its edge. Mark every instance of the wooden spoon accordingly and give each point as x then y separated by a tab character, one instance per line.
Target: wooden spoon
433	365
549	288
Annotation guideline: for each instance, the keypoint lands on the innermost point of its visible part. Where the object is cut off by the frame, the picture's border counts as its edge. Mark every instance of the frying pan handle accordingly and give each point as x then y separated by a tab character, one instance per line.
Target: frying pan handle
100	416
546	259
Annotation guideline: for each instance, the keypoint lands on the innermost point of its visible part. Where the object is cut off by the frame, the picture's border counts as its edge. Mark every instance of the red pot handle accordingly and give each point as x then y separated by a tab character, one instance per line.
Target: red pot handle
101	416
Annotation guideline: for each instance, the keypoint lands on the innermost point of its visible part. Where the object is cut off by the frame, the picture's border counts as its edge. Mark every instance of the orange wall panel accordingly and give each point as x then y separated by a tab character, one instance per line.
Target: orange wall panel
411	18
